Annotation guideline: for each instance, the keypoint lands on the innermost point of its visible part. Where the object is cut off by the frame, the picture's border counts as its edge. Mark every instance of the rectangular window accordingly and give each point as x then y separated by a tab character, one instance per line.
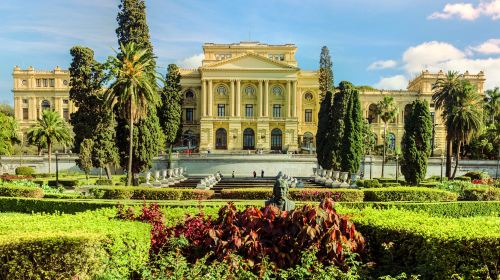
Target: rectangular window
66	114
308	116
52	83
25	101
189	114
276	111
65	101
38	82
45	83
249	110
221	110
25	113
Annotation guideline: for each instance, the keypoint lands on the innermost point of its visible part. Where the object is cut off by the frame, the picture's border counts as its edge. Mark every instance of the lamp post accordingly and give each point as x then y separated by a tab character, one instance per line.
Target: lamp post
442	162
57	170
433	138
397	167
371	163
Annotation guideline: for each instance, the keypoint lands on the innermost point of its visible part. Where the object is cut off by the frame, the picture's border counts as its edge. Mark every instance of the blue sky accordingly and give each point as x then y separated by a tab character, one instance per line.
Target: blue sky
380	43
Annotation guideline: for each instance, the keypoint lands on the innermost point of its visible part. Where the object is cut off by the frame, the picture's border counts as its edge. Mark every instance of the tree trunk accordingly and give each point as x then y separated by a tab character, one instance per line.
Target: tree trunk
169	159
449	151
130	150
49	147
457	158
39	150
383	153
108	171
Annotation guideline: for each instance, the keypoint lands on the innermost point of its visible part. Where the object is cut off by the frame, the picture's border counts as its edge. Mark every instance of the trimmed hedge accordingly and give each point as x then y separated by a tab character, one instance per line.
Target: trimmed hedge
368	183
20	191
462	178
66	183
34	205
149	193
433	247
481	194
387	185
84	246
408	194
309	194
25	170
104	182
455	209
429	184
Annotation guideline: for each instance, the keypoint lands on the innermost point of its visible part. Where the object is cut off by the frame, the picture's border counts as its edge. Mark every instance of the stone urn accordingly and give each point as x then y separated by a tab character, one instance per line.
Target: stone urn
335	177
343	177
354	178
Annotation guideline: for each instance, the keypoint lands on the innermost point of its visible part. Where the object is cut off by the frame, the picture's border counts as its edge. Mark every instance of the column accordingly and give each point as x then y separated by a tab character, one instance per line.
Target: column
231	99
266	98
203	98
238	98
294	98
210	98
300	111
288	99
18	114
259	98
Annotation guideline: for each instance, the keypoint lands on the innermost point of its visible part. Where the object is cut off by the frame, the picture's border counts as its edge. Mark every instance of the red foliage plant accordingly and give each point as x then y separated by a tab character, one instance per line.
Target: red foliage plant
255	234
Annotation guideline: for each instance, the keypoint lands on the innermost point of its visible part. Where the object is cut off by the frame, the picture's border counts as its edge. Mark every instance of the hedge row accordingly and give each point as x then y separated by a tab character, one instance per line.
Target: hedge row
481	194
88	245
454	209
308	194
149	193
20	191
408	194
434	247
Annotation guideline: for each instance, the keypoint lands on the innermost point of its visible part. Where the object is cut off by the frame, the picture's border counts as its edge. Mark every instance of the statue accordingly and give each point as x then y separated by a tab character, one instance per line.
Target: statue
280	196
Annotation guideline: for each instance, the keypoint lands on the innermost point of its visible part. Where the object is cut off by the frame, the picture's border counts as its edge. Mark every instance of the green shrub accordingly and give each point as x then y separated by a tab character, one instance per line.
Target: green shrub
43	175
149	193
477	175
429	184
40	182
83	246
66	183
104	182
25	170
436	178
462	178
247	193
408	194
481	194
368	183
30	205
434	247
311	194
389	180
389	184
196	194
20	191
63	196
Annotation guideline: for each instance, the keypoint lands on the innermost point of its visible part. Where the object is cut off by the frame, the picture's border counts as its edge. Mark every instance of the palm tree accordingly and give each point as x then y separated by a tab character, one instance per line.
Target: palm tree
387	110
492	105
50	129
466	117
133	88
445	93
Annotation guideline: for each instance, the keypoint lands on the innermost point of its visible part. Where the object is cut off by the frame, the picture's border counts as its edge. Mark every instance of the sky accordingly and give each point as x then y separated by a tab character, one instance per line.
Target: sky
381	43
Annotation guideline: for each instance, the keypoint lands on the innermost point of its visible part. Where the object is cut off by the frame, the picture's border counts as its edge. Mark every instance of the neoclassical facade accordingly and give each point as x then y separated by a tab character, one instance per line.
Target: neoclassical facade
244	96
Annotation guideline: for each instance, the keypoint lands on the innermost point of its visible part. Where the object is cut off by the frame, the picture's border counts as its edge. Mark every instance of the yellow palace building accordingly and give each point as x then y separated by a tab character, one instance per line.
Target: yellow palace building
244	96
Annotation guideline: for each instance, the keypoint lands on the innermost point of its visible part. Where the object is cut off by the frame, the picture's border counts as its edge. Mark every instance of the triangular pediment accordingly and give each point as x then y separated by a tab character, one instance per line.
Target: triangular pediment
249	61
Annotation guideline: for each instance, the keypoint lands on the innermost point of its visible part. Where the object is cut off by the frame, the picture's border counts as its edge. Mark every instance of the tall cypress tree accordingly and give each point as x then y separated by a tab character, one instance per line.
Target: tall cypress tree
352	146
171	110
148	135
416	144
86	76
326	81
340	102
324	140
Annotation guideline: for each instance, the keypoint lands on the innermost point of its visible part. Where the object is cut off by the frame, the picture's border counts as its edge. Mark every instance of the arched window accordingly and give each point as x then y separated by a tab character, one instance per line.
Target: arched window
392	141
276	139
45	105
372	113
221	139
308	139
308	96
248	139
189	94
407	111
221	90
277	90
249	90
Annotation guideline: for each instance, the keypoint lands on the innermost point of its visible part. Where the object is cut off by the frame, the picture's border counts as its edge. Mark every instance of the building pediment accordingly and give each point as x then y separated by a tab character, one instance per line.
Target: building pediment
249	62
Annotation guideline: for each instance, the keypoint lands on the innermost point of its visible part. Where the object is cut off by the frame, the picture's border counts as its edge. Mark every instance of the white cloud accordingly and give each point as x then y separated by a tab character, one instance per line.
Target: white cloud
467	11
492	46
382	64
393	82
427	54
191	62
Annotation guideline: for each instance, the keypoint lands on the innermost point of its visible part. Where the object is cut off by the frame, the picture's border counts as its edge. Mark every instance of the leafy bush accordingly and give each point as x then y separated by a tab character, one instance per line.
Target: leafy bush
386	185
67	183
309	194
20	191
462	178
25	170
247	193
30	205
368	183
477	175
10	178
83	246
429	184
481	194
104	182
52	190
408	194
436	178
434	247
149	193
63	196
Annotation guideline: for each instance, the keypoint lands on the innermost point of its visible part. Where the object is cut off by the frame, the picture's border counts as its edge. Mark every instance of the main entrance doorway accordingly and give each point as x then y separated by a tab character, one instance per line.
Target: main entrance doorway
248	139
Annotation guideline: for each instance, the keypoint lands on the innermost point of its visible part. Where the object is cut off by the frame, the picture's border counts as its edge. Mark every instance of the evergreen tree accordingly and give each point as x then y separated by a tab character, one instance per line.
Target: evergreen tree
105	151
8	133
84	160
416	144
170	112
340	102
368	138
352	145
148	135
326	81
324	140
86	77
387	111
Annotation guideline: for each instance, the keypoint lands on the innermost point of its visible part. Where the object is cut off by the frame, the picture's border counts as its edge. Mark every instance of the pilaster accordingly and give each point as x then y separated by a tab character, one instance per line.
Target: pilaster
210	98
266	98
